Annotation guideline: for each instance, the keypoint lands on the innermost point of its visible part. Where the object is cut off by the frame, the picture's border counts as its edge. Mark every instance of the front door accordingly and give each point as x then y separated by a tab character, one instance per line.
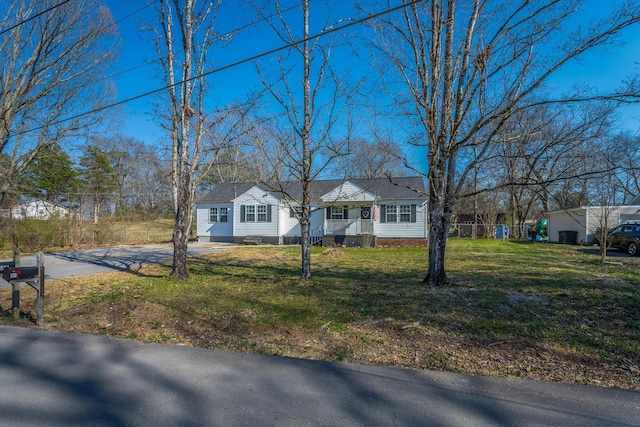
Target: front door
365	212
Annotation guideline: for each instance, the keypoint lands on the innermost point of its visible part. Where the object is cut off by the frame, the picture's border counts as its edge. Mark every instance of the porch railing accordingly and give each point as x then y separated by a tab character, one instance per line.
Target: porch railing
349	227
315	236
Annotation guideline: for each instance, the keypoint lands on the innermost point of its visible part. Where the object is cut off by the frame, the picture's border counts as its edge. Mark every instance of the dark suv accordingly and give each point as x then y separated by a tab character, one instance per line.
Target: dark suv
626	237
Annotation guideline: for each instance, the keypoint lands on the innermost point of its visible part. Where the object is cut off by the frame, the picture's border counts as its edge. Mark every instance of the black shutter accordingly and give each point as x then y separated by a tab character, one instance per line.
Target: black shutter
268	213
242	213
292	212
328	212
345	212
383	213
413	213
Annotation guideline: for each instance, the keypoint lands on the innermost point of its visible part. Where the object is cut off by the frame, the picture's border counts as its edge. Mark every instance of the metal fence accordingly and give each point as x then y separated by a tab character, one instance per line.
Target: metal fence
469	229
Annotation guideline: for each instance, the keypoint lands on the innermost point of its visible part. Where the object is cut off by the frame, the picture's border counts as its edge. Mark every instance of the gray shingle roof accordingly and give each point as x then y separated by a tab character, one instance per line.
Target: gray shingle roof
403	188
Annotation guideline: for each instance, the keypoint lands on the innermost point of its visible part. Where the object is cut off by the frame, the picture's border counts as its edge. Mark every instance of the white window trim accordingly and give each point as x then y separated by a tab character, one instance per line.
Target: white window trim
251	208
393	214
213	215
261	213
407	213
335	214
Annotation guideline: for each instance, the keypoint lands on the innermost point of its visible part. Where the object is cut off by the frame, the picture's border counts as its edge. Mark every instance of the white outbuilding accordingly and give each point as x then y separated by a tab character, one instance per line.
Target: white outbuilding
579	225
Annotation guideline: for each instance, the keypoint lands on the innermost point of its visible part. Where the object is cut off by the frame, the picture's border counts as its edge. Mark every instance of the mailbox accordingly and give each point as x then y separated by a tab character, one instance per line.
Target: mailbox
4	265
19	273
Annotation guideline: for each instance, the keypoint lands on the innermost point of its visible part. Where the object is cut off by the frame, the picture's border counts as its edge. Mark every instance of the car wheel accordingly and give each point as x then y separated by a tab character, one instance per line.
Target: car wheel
632	248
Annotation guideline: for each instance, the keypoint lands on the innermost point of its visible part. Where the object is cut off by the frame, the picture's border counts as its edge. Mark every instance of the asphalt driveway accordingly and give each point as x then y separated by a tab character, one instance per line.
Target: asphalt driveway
83	262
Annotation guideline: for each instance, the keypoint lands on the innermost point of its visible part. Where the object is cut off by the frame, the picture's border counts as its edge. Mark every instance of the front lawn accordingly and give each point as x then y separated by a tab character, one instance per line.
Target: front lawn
540	311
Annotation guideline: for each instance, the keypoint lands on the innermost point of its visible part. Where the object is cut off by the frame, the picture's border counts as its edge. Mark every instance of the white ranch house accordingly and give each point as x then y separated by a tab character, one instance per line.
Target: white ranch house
354	212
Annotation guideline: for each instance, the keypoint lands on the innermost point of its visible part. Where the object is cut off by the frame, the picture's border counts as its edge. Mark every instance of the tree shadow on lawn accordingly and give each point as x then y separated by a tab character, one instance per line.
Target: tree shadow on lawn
493	305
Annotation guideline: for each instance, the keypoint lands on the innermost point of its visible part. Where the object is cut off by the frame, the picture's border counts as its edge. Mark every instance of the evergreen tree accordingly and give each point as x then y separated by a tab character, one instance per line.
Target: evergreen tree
98	177
51	175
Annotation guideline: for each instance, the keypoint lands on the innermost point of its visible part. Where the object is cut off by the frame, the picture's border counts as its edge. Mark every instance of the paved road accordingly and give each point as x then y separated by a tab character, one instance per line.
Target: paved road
53	378
82	262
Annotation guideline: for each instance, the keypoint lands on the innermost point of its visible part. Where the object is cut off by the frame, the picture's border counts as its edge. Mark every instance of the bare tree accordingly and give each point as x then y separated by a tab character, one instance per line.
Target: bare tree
142	175
627	148
50	64
547	152
603	214
184	42
370	159
468	67
311	110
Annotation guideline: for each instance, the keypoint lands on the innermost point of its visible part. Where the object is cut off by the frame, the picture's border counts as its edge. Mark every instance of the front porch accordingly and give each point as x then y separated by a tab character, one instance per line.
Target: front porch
349	232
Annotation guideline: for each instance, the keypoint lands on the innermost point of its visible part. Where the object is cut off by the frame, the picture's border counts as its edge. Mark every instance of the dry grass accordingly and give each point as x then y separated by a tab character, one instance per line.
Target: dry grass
547	312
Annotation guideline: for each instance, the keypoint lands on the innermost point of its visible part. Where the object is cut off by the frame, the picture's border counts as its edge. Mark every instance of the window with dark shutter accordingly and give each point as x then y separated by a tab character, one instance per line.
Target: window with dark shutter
268	213
405	213
383	213
413	213
328	211
242	211
345	212
261	211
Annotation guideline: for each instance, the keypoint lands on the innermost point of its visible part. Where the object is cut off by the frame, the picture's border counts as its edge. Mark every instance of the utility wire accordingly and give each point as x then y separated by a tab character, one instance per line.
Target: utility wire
224	36
34	17
228	66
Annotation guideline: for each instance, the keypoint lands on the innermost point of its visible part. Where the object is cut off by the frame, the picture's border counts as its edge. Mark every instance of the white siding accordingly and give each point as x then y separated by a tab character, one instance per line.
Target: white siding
587	219
37	209
347	192
317	220
416	229
290	227
207	229
611	217
573	220
256	196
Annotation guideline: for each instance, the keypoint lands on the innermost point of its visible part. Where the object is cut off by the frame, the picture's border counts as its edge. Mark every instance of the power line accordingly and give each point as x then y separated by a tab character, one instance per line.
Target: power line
34	17
221	37
231	65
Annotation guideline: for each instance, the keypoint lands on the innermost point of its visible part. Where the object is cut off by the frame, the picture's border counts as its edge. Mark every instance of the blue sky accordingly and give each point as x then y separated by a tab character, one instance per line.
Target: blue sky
602	69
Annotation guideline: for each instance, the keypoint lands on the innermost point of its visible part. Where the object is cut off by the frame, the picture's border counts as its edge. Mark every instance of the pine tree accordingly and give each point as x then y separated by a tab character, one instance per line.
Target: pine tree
98	177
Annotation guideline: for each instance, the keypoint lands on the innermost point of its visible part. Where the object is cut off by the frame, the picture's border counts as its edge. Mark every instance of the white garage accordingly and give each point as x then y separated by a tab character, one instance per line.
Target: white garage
585	220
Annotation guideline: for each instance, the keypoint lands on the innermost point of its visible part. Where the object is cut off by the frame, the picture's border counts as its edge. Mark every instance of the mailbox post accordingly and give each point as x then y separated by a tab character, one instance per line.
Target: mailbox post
33	276
15	297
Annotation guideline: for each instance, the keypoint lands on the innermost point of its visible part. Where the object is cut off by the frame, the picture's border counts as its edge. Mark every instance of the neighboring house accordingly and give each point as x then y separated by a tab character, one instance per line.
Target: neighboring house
586	220
38	209
353	212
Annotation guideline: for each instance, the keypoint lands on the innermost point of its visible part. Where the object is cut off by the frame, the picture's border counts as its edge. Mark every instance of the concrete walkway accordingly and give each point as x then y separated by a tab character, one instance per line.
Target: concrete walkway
58	379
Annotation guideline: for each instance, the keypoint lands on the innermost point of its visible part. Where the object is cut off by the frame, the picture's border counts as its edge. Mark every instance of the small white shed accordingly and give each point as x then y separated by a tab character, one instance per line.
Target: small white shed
585	220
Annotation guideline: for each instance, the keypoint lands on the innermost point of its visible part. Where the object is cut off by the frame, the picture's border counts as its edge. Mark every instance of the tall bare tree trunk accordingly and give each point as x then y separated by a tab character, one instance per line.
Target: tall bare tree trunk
469	67
305	221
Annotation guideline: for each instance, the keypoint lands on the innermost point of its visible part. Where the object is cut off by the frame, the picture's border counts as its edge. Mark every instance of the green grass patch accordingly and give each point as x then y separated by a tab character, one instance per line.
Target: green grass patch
536	310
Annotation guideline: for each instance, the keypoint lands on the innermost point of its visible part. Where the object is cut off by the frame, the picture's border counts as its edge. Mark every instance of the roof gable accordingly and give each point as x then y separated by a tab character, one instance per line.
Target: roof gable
347	192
